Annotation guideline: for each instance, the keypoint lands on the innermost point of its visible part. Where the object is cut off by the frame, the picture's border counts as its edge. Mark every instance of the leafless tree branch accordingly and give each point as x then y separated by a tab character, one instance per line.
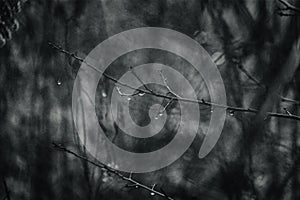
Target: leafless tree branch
289	6
131	182
140	80
288	10
253	79
230	109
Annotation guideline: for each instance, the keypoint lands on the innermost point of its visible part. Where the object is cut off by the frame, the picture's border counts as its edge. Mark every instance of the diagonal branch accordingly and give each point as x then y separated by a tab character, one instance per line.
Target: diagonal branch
126	94
289	6
140	80
288	10
253	79
131	182
231	109
166	84
7	192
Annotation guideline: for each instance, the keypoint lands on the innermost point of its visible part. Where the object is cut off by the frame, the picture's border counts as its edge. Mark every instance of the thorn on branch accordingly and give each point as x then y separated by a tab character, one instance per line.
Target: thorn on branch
288	112
130	175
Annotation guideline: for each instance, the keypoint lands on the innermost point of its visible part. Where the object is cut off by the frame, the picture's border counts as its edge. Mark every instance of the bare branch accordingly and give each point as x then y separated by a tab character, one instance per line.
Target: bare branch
166	84
125	94
250	76
131	182
253	79
178	98
285	14
288	10
140	80
289	6
287	112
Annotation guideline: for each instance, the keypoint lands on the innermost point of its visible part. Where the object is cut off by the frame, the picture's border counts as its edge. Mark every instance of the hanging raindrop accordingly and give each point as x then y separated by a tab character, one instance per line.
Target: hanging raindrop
160	114
141	94
104	94
152	193
58	82
128	98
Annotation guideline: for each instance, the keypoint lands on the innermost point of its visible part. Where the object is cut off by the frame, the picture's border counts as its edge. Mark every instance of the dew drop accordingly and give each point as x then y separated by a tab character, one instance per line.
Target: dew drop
231	113
136	186
141	94
160	114
128	98
104	94
211	111
152	193
155	117
58	82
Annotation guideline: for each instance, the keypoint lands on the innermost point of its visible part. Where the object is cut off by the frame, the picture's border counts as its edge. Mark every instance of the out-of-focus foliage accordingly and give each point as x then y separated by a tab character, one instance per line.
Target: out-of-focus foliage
252	160
8	21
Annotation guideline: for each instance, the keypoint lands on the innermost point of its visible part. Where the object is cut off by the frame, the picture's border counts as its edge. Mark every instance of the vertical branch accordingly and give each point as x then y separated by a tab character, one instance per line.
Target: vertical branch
7	192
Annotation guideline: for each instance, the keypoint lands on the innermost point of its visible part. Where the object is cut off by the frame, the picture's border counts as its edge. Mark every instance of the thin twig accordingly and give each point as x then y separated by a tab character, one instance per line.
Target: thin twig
170	91
132	182
166	84
140	80
253	79
126	94
250	76
178	98
284	14
287	112
289	6
288	10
